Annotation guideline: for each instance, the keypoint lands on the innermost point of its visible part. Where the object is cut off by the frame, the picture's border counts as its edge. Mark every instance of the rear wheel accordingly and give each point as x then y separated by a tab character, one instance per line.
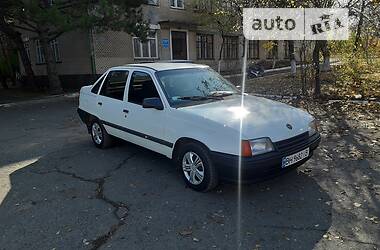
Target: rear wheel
99	135
197	168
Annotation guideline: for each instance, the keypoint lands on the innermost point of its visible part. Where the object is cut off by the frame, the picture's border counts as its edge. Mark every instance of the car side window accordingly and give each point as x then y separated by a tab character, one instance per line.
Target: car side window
114	84
141	86
95	89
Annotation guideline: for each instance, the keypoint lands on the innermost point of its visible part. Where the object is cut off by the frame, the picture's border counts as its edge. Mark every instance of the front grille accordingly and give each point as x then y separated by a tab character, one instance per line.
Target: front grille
291	143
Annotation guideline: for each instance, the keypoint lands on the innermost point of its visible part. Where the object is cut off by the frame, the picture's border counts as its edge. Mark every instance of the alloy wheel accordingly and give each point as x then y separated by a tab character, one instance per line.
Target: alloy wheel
97	133
193	168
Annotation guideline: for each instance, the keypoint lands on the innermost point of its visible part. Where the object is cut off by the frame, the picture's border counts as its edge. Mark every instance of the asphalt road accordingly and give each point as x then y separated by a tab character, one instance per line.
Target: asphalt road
57	191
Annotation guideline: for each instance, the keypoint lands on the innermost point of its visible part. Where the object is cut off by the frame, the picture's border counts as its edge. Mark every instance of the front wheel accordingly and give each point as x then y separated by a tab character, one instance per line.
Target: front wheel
197	168
99	135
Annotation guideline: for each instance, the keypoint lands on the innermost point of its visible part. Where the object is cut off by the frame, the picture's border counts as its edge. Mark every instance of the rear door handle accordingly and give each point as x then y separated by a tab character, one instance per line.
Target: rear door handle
100	104
126	111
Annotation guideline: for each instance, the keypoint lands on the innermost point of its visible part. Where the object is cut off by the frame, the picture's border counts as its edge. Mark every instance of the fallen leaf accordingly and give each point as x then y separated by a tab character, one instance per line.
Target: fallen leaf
186	232
357	204
373	219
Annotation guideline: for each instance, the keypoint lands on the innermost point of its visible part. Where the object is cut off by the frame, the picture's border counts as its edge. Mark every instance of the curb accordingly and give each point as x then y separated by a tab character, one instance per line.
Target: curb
277	71
287	97
39	100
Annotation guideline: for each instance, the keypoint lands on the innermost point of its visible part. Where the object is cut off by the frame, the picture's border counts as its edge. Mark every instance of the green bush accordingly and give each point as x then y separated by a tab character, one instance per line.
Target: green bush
358	71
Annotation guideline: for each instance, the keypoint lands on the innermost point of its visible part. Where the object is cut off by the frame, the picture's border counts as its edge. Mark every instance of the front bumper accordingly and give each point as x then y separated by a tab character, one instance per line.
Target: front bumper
261	167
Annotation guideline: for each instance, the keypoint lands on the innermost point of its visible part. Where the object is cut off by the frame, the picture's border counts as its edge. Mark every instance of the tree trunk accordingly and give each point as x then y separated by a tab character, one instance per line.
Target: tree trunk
25	60
292	57
220	55
274	63
51	67
326	56
16	37
326	66
303	67
359	28
317	83
274	56
366	48
10	70
3	81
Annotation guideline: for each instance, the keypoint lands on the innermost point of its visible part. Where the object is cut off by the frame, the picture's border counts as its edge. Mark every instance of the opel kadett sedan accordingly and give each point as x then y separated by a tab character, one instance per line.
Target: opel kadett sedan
192	115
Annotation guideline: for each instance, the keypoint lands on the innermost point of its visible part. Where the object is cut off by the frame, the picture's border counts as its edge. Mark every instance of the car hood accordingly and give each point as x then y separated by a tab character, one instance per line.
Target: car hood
260	117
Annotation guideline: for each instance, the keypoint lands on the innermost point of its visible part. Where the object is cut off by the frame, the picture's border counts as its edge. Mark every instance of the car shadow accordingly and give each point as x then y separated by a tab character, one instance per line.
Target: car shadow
129	197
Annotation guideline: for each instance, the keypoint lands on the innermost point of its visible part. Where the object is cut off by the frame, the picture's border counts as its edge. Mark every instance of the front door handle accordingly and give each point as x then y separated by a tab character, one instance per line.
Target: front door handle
100	104
126	111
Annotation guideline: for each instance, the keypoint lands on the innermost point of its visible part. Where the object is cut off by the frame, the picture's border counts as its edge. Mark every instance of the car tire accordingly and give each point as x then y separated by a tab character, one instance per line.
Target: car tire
99	135
194	161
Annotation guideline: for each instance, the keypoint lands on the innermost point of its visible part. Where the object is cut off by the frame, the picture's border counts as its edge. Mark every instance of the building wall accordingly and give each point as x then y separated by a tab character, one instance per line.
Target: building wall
84	53
74	51
163	12
116	48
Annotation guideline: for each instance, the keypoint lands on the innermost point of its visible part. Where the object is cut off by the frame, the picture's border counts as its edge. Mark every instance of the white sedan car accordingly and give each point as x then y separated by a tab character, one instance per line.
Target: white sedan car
192	115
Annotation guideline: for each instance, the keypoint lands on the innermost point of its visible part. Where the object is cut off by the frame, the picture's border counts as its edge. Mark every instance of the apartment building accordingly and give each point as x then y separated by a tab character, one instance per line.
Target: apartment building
174	35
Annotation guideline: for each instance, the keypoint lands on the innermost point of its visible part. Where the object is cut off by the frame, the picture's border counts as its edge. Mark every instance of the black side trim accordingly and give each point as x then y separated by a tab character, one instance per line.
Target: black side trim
84	116
145	136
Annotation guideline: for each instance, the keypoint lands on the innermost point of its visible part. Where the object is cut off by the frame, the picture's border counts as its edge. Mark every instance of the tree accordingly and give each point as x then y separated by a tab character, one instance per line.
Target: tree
15	36
226	17
320	46
49	19
288	4
366	19
219	17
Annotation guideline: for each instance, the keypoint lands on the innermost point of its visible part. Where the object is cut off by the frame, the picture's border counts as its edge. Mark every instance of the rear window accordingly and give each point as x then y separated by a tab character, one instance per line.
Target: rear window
96	88
114	85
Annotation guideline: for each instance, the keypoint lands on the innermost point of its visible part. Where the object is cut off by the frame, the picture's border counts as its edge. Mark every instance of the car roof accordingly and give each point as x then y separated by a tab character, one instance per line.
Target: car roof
163	66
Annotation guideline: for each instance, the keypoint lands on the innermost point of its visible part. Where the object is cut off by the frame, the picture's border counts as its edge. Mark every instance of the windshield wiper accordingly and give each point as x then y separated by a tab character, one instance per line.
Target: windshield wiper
221	94
199	98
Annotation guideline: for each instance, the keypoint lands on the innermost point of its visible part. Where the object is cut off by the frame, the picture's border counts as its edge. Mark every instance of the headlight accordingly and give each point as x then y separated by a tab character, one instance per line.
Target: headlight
313	127
256	147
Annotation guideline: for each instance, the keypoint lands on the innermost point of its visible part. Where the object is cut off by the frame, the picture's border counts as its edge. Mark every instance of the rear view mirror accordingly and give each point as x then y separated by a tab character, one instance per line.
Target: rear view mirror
153	103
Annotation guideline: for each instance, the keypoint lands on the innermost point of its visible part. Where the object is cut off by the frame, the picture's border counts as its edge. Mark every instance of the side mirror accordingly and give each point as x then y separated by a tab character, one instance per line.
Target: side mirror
153	103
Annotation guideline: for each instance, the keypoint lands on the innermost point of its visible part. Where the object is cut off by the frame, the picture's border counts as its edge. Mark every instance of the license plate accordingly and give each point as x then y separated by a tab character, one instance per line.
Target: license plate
294	158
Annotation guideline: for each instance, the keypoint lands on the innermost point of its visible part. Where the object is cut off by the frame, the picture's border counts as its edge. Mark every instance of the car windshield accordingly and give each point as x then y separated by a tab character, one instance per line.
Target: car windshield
189	86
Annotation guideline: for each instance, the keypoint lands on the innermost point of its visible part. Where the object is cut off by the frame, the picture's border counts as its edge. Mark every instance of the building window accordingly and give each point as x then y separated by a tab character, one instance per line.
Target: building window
40	53
179	4
231	47
147	49
153	2
203	6
205	46
273	51
253	50
55	49
27	49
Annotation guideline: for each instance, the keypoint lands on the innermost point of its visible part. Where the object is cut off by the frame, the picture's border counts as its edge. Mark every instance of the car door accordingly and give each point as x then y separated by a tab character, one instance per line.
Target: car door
146	125
110	101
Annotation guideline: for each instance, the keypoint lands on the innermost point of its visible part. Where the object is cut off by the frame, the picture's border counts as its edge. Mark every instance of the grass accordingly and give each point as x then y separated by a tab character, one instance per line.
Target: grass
339	83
